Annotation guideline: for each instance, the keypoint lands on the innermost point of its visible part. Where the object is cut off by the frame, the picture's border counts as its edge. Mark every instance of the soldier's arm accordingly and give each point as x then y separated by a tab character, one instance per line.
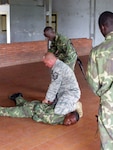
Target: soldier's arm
52	48
54	86
92	73
70	52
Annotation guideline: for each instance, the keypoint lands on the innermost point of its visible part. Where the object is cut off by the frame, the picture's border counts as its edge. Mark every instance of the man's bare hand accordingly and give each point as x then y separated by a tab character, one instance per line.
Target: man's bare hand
45	101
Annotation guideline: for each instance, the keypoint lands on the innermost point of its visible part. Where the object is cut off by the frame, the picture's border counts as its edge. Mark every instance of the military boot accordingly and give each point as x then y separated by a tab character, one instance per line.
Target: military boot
14	96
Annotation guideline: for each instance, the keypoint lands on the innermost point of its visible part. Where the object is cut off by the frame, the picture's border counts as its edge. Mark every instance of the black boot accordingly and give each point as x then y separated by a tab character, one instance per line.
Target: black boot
14	96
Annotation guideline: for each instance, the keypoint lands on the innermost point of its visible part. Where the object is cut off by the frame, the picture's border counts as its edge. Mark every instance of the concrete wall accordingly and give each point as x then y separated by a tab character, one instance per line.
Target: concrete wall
27	21
76	19
79	18
73	17
100	7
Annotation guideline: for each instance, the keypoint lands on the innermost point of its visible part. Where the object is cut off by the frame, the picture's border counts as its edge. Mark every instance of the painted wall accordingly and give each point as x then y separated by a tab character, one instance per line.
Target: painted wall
79	18
76	19
100	7
27	21
71	17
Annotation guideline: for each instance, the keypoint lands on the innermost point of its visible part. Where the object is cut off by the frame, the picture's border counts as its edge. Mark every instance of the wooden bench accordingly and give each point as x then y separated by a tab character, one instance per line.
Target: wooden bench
82	46
29	52
22	53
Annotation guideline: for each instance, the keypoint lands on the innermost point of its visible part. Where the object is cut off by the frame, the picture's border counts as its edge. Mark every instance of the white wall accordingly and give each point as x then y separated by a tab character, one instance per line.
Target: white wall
79	18
27	21
71	17
76	19
100	7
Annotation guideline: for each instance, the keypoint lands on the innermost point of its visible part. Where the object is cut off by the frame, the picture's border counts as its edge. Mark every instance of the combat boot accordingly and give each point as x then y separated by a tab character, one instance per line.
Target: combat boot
15	95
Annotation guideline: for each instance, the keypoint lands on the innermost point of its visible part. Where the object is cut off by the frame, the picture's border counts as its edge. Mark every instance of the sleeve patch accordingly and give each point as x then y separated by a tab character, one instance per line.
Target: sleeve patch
54	75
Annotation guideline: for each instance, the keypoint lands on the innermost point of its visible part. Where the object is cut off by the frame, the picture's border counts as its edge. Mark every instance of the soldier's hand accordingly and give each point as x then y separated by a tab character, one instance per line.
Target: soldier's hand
45	101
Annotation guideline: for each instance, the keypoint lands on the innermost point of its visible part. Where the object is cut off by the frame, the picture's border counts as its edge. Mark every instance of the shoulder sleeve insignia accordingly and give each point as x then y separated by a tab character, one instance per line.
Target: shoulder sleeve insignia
54	75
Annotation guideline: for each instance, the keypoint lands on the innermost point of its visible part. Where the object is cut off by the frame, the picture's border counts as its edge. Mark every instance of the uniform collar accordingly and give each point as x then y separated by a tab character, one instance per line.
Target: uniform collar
56	37
109	36
57	61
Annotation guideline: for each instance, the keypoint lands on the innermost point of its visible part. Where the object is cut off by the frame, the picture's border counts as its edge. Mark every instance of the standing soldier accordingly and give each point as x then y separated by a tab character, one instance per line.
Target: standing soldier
100	77
61	47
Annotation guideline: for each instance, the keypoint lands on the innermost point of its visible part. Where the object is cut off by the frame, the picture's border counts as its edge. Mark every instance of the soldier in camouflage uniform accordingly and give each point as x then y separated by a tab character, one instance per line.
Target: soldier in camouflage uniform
61	46
37	111
100	78
63	87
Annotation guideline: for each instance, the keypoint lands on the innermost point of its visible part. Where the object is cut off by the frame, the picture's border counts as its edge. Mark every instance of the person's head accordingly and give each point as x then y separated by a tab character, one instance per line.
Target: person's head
49	59
71	118
49	33
105	22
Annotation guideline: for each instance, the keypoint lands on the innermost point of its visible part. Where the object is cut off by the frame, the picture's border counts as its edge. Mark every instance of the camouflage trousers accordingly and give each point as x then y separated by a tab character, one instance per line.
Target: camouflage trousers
35	109
105	122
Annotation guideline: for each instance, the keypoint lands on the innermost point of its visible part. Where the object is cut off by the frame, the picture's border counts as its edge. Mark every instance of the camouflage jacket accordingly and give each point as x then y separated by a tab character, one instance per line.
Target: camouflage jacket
45	113
100	69
65	86
63	49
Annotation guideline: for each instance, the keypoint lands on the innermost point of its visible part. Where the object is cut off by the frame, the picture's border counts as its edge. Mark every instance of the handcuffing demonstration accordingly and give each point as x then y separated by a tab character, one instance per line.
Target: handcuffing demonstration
62	104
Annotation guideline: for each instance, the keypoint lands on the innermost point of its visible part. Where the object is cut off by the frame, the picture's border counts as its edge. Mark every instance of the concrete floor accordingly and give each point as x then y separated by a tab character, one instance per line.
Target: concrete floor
25	134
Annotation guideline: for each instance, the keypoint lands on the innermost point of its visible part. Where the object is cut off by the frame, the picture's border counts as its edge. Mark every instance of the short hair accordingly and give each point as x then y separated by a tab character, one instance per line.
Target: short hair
48	28
49	56
106	19
76	115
